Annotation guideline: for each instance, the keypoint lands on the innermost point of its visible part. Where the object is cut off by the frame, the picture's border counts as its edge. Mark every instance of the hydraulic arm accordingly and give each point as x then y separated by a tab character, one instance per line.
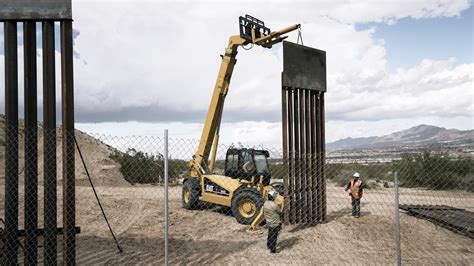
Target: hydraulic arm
254	32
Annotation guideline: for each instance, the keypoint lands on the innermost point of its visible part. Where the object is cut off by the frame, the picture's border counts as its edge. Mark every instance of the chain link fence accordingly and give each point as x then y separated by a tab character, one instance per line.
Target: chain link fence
436	198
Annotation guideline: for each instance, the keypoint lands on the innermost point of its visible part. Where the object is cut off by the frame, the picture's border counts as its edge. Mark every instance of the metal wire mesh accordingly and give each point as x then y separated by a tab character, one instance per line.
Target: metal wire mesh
436	198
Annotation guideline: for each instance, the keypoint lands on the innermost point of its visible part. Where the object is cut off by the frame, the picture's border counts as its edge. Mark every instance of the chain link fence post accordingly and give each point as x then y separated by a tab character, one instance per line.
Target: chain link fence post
397	220
166	194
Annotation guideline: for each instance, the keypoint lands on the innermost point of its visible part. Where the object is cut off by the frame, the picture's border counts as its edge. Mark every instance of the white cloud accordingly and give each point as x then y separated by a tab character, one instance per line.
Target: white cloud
166	54
432	88
162	58
389	10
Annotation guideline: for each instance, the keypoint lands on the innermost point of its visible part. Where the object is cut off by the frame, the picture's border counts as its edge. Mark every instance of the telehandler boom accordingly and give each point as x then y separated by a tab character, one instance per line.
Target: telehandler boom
242	191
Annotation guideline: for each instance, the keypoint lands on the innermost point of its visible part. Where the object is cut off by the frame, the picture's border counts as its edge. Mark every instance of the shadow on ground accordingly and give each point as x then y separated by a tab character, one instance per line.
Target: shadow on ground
288	243
94	250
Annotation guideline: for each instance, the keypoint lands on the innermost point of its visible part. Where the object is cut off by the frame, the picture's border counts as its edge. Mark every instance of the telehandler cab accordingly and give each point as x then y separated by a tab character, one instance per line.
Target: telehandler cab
246	182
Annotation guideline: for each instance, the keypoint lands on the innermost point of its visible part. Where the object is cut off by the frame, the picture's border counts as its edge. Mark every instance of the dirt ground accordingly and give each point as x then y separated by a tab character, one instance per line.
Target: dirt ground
212	236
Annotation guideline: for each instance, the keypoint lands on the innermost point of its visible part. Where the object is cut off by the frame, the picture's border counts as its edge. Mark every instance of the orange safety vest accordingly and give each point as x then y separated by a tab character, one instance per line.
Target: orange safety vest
355	189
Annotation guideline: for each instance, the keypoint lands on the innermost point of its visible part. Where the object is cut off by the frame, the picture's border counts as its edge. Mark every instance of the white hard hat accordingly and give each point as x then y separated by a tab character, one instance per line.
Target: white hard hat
356	175
273	193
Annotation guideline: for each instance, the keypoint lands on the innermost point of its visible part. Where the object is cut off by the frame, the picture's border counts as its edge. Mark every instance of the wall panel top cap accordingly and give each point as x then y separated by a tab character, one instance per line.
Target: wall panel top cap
35	9
303	67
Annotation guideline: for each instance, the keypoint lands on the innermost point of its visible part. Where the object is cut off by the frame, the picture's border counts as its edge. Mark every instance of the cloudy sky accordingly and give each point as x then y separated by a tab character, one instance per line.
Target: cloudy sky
143	66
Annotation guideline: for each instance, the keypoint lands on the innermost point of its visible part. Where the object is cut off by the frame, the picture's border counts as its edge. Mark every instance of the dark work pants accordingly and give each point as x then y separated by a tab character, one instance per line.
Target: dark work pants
272	237
355	207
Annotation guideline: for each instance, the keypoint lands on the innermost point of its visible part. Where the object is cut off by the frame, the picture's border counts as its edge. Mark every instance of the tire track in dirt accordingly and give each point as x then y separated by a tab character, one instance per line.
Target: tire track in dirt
136	216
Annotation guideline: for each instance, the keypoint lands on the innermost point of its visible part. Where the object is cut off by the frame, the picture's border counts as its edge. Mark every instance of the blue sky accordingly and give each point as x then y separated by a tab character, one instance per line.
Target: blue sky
410	40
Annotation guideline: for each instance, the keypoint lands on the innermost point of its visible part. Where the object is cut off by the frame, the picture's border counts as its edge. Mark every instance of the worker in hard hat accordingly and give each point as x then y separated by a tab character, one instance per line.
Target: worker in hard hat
272	213
355	188
249	167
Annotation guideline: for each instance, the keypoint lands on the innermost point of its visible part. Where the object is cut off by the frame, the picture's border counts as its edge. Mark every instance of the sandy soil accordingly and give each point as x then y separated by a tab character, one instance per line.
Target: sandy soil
213	236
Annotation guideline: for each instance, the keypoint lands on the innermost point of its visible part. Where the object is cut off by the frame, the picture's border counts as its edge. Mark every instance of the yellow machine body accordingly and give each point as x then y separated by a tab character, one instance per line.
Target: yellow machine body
218	189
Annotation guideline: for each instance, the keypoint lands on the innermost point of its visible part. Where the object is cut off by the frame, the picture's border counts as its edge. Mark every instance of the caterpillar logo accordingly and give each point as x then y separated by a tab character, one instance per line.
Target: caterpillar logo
214	188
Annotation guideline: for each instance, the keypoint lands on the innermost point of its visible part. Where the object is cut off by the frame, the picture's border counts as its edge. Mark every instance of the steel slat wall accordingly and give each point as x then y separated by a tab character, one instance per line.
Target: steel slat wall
29	13
303	88
303	138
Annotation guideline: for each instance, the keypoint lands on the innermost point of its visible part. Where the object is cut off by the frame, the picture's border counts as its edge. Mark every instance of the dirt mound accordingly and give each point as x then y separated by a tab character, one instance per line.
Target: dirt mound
103	170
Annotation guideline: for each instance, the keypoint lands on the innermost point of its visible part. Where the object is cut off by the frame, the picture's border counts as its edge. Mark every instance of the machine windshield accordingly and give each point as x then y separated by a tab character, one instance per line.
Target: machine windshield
261	163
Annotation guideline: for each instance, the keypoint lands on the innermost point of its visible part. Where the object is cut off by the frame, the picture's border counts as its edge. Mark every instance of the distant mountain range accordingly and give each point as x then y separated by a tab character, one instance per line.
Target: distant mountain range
417	136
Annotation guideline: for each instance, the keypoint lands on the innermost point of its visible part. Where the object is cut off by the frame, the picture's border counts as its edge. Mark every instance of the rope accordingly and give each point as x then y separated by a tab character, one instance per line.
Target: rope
97	197
300	36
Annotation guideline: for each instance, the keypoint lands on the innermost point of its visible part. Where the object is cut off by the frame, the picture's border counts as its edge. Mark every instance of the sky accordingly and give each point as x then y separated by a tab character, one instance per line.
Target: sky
143	66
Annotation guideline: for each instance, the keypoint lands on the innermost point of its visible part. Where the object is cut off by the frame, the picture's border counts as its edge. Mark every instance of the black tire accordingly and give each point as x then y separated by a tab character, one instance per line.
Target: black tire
246	205
190	194
278	187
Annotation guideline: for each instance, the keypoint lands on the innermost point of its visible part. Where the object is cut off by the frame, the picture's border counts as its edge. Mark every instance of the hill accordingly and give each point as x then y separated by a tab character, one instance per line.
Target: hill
103	170
422	135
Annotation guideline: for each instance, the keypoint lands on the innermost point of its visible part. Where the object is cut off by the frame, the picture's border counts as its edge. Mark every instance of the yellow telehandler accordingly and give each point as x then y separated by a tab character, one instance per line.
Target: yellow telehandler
246	181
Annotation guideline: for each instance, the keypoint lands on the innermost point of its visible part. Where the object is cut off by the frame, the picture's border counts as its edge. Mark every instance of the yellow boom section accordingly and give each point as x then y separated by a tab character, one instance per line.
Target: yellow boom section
199	164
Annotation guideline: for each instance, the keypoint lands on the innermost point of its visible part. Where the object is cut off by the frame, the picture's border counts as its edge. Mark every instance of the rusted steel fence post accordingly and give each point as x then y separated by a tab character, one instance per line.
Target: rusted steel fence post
291	158
286	172
67	91
313	159
323	158
31	143
11	143
49	134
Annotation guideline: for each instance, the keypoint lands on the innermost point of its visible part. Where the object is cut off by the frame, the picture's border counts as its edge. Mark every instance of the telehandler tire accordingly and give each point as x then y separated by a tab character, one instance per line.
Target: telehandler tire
246	205
190	195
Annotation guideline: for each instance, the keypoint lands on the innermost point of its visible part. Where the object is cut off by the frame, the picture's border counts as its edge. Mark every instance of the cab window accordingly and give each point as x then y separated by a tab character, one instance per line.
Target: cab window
232	162
261	163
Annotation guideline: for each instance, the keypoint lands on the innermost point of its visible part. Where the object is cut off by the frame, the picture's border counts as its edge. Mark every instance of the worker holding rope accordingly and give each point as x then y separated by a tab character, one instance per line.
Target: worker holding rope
273	214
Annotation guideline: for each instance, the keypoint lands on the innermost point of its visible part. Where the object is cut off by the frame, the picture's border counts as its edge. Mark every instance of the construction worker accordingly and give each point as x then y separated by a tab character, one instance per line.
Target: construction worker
272	215
249	167
355	191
